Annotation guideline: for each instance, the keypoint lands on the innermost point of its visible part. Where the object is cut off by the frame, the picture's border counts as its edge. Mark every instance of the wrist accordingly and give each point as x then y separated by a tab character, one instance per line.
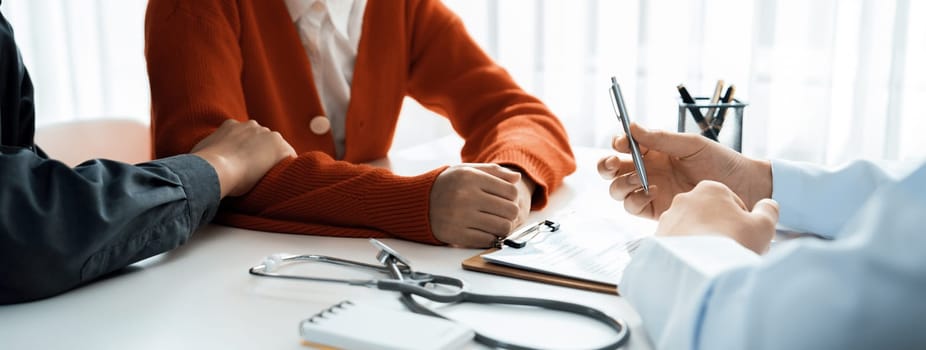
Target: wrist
759	184
223	169
531	186
525	180
750	241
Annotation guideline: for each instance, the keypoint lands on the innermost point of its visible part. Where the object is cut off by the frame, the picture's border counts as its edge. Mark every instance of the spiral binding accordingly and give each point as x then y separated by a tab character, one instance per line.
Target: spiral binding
333	310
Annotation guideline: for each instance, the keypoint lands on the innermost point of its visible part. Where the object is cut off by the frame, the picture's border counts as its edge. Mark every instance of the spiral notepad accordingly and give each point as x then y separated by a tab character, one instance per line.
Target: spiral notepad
348	325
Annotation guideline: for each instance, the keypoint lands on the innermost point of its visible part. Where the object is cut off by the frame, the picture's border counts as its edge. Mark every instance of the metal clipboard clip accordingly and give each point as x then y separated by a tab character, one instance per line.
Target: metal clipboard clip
519	238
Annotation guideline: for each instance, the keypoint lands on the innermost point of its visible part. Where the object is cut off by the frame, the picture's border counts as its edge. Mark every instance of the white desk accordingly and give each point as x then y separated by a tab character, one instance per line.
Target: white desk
201	296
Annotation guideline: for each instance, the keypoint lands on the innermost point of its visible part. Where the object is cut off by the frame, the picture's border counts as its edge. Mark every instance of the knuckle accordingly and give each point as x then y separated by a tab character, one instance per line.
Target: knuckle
703	184
768	222
457	172
686	136
501	227
470	175
467	171
710	186
660	134
510	191
452	175
513	210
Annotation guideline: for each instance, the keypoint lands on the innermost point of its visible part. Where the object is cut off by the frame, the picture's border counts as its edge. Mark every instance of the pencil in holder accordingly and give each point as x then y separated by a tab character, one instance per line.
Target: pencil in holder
722	122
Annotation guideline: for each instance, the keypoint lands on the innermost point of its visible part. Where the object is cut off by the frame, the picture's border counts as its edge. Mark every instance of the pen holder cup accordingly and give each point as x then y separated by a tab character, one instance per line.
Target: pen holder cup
730	132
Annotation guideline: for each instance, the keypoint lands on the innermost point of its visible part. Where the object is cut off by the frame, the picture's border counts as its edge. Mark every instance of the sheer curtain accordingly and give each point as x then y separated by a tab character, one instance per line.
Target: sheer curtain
86	57
826	80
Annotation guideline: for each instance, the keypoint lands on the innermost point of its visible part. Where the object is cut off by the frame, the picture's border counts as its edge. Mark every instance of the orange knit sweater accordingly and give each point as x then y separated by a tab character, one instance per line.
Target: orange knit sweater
210	60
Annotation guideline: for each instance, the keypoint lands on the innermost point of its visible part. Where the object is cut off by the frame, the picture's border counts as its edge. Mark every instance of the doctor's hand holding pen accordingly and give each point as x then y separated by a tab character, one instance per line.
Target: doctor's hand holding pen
675	163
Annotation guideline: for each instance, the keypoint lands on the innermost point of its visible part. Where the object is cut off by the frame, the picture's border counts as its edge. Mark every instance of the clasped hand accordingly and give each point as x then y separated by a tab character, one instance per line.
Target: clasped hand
472	205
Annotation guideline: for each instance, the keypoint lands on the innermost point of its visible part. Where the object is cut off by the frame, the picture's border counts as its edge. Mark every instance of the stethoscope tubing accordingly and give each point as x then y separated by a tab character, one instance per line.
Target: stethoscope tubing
623	333
409	283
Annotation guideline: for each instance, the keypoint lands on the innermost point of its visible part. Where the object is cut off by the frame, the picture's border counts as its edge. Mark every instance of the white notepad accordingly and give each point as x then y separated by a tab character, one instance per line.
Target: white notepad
349	325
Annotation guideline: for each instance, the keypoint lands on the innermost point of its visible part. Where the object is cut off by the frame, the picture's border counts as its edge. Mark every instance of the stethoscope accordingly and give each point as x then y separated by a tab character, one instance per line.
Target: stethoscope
409	282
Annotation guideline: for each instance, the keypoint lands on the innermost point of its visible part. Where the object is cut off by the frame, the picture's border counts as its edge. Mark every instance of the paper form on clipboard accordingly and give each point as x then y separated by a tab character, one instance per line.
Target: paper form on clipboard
583	248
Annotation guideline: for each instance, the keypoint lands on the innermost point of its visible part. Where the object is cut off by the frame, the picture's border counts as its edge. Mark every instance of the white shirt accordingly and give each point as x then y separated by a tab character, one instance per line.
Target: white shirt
863	289
330	33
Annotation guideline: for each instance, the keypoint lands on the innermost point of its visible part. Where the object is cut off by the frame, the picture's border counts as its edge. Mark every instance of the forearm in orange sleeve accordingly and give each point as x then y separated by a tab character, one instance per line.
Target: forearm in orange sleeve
315	194
499	121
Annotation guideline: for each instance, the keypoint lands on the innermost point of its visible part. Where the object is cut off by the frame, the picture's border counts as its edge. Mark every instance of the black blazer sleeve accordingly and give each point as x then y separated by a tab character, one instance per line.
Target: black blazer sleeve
61	227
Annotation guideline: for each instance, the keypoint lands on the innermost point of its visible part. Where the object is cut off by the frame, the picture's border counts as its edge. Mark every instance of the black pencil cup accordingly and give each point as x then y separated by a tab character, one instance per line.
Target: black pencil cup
730	130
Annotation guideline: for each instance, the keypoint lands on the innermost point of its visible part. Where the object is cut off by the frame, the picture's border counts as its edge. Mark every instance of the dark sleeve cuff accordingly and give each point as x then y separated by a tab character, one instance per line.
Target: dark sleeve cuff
200	183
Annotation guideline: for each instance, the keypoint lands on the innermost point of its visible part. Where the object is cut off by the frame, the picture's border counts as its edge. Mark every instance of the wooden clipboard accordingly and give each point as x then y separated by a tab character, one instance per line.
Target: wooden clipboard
477	263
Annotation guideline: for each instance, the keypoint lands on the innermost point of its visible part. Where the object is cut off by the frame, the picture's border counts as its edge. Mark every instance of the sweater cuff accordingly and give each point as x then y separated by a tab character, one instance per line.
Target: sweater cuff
200	183
538	170
402	206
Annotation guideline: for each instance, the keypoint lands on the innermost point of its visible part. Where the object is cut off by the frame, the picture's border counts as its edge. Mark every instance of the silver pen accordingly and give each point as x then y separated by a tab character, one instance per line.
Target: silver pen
617	102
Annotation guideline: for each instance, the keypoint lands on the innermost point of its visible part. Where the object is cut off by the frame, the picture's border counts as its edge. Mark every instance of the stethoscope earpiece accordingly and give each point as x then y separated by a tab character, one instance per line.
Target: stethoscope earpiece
271	263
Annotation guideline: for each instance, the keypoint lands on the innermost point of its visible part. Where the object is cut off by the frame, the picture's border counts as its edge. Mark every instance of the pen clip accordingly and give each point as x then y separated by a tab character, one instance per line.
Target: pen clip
519	238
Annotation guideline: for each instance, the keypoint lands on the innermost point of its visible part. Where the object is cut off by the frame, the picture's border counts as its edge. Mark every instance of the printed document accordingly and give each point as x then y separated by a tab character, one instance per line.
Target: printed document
591	249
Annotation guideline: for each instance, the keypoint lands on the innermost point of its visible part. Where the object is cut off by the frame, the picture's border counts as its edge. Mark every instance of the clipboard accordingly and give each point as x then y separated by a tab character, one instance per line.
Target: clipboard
476	263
